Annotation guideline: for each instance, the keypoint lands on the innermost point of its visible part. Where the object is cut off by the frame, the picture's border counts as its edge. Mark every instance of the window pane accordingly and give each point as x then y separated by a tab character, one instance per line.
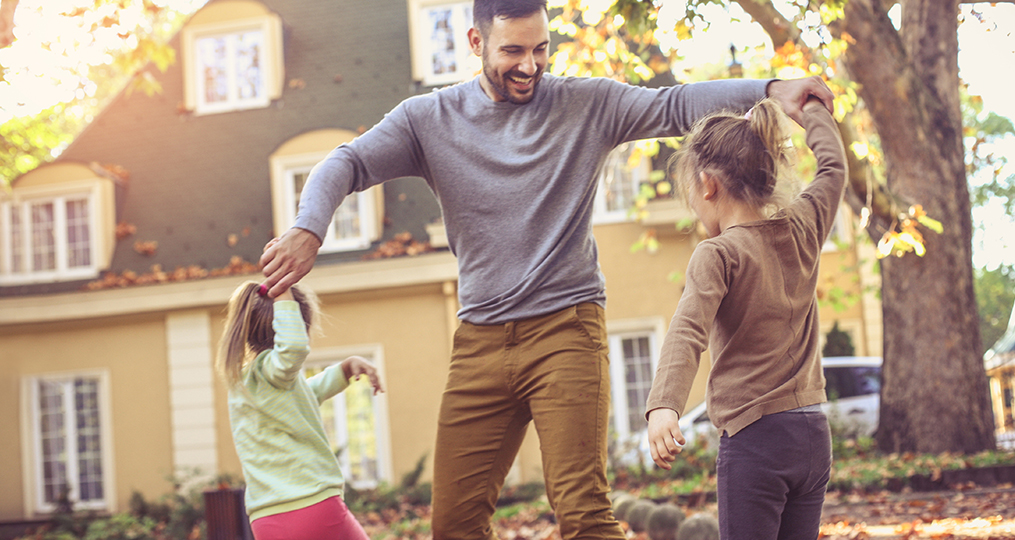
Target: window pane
347	218
17	245
211	54
248	65
53	437
327	411
79	252
43	237
89	451
442	41
620	180
299	180
362	449
350	424
637	379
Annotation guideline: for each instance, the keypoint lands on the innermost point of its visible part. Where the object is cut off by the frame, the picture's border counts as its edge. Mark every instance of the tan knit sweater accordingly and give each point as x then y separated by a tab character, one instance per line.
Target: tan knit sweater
750	298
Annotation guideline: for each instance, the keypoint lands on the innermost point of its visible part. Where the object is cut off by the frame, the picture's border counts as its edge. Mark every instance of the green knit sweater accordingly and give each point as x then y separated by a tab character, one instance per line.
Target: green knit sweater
275	414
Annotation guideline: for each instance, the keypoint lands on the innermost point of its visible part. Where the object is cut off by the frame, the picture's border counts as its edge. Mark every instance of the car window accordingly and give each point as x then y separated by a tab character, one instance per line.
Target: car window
847	382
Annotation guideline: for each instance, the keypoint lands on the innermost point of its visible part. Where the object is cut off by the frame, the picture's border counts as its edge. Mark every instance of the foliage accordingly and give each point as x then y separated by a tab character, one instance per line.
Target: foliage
176	515
980	129
26	143
384	498
838	343
122	527
111	43
620	39
875	471
995	296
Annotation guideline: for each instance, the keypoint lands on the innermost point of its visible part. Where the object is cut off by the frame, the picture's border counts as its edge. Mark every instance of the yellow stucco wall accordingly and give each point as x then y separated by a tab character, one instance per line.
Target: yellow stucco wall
638	284
132	349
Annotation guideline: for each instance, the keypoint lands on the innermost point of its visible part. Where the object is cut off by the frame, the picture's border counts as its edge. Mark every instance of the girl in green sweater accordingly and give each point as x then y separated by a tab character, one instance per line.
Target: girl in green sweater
294	484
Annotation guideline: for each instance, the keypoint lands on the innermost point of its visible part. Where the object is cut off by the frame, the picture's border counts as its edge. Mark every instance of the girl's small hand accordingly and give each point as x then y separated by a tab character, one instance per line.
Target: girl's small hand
355	366
664	438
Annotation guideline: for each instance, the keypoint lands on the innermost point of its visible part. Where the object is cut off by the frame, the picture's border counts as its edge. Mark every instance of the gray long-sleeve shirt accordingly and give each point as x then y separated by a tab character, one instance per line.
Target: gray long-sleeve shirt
515	182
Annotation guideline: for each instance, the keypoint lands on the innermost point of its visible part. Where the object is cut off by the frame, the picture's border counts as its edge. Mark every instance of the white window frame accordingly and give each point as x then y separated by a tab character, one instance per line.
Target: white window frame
652	328
323	357
33	478
420	31
841	231
601	212
269	62
370	204
59	195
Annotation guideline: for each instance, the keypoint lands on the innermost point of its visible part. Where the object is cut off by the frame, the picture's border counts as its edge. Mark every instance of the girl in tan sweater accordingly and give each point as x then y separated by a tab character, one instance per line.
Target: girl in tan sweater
750	298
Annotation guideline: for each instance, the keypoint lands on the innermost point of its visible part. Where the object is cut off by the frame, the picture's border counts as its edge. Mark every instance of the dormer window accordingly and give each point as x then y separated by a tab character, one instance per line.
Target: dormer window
230	72
355	224
441	53
232	58
358	221
50	236
55	226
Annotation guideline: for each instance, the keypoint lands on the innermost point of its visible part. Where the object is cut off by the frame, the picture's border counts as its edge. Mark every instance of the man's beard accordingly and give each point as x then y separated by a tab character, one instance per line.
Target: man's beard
500	84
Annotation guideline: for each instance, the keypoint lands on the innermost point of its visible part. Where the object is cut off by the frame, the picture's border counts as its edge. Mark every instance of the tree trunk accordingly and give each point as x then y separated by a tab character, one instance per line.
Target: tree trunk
934	396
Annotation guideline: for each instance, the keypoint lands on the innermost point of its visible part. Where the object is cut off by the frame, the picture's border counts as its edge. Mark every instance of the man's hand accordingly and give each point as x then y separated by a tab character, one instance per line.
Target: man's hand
664	438
288	258
793	94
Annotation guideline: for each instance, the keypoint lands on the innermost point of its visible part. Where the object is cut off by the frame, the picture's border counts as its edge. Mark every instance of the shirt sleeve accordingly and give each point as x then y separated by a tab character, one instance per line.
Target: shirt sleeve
688	334
642	113
823	194
388	150
281	365
328	383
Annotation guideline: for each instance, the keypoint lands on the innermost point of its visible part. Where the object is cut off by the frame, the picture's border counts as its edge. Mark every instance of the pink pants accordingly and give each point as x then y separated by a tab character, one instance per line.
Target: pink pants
329	519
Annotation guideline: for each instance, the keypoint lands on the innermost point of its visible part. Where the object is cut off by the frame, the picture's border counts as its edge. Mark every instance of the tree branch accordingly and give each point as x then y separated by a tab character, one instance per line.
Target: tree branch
779	28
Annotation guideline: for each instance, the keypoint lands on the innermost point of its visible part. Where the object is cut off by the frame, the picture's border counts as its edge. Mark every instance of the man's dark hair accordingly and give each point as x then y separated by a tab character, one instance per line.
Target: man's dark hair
485	11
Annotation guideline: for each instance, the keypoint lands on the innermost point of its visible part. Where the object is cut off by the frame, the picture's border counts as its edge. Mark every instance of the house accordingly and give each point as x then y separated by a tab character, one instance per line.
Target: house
999	362
116	261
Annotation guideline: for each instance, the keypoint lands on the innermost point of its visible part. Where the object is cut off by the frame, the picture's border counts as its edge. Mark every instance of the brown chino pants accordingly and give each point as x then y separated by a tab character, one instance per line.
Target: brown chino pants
553	370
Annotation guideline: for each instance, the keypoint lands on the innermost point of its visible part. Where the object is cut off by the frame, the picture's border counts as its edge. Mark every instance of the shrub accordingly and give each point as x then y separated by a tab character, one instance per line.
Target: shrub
699	527
637	515
122	527
663	522
623	507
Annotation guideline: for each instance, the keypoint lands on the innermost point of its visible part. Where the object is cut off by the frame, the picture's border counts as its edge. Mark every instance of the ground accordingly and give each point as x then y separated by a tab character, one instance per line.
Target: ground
972	513
953	515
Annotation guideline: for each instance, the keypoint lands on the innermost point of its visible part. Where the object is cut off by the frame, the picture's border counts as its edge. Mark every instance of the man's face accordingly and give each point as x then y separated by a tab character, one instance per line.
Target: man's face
514	56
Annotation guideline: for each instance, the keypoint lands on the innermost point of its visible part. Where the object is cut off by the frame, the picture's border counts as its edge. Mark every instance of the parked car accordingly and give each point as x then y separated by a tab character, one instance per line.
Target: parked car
853	386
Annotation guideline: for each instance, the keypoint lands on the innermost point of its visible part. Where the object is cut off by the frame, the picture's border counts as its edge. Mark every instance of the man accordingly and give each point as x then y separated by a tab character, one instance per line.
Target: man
513	157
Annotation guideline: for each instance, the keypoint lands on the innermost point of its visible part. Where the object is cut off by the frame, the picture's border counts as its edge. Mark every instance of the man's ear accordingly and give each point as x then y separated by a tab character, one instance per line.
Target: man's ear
709	185
476	41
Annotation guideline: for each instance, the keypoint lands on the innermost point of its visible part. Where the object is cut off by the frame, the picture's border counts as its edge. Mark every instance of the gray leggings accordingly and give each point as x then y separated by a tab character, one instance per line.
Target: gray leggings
772	477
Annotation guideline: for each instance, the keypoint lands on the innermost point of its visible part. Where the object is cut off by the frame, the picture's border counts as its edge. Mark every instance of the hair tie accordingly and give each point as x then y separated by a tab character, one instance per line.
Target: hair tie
262	290
747	115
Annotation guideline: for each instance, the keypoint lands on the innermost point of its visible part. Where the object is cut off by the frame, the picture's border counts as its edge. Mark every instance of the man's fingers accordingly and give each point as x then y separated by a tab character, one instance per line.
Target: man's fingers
282	285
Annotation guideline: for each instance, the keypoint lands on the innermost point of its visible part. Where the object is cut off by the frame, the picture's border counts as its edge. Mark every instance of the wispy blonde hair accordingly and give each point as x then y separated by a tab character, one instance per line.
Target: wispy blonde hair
749	156
248	329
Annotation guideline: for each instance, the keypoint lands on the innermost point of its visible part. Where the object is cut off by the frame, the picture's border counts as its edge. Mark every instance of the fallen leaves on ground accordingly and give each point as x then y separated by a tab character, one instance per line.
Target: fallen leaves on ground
986	514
